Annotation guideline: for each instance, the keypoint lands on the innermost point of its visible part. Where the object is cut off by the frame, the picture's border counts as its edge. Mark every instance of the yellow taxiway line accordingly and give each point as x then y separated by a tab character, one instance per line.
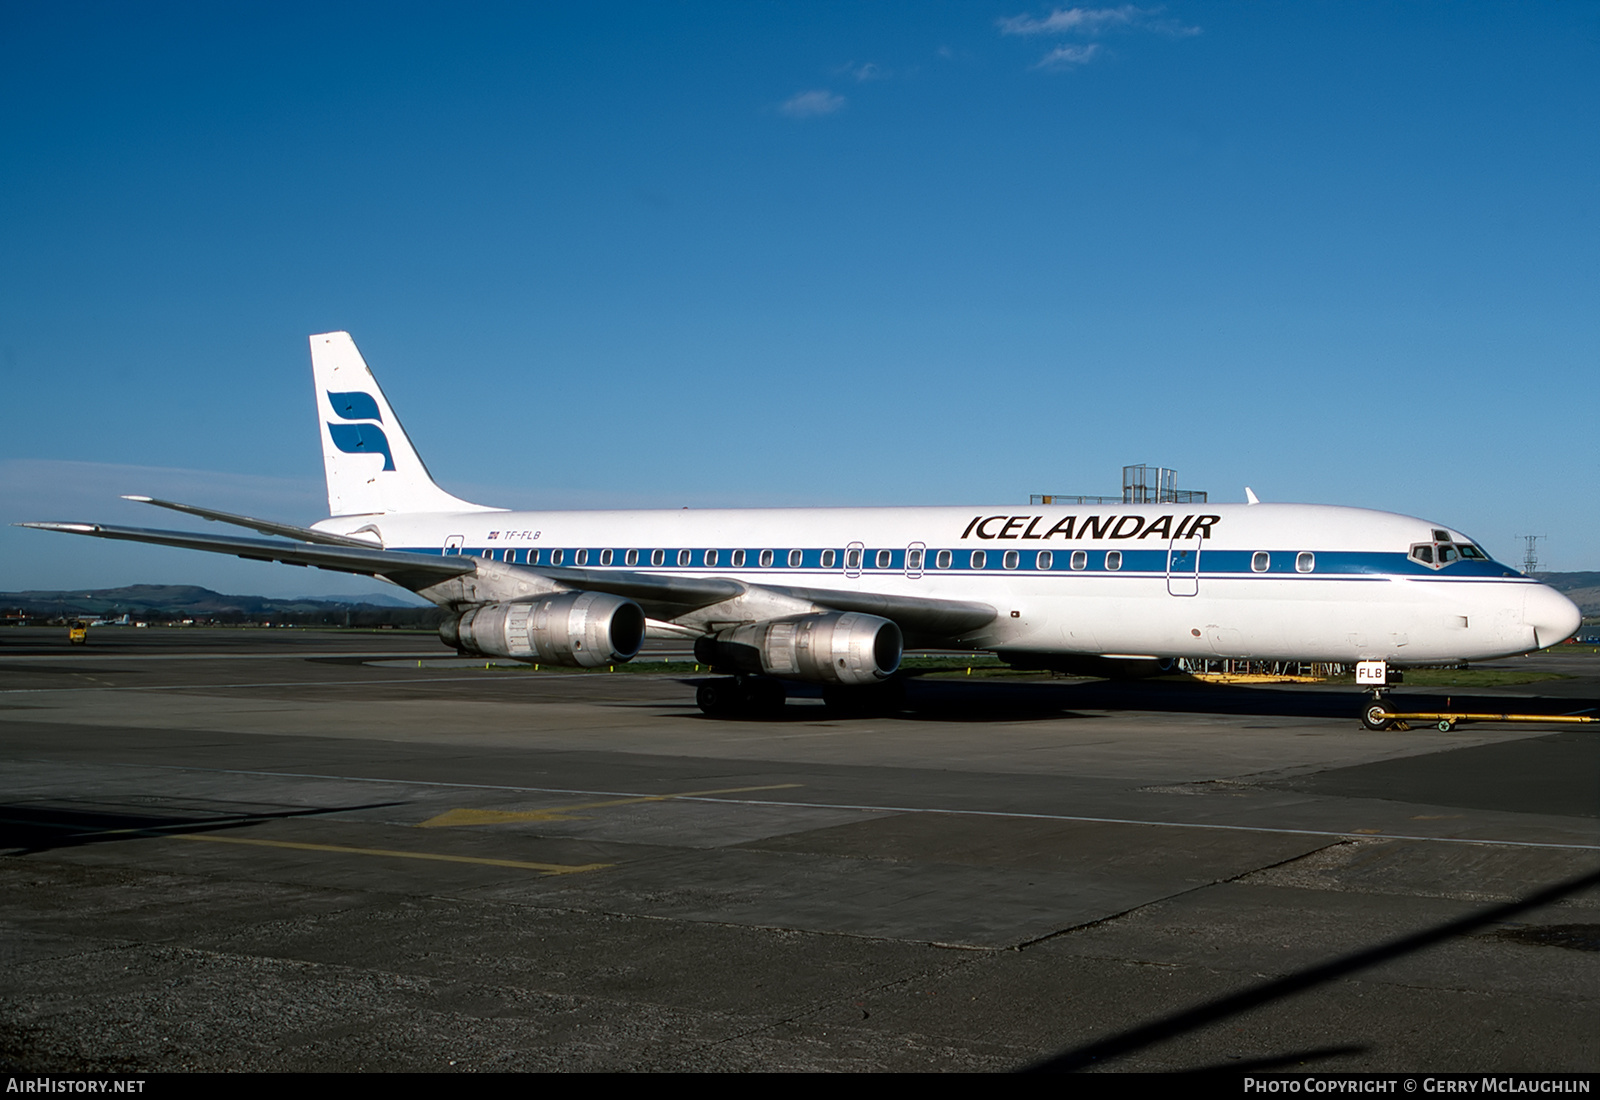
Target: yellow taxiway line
543	868
564	813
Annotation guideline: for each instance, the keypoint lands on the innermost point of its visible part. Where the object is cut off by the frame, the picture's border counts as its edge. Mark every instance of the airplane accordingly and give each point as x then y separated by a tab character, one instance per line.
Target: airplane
833	596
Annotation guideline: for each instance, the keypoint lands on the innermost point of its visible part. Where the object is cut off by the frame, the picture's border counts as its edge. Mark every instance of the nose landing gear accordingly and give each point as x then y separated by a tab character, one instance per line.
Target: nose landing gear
1376	715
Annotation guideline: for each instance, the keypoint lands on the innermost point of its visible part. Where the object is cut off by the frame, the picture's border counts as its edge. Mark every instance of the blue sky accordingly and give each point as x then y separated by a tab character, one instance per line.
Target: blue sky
666	254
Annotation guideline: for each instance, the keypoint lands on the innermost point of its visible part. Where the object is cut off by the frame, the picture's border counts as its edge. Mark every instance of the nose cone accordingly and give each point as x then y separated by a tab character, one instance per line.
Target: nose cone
1554	618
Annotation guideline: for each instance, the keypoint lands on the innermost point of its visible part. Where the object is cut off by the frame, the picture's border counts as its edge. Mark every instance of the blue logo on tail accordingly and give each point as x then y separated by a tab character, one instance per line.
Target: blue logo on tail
358	439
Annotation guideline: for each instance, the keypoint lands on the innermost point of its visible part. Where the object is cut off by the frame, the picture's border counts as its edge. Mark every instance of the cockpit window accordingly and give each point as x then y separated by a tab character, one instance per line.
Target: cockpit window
1437	555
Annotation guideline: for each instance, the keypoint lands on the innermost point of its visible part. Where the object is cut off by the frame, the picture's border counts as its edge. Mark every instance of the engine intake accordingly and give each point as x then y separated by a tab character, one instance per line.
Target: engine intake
831	648
586	629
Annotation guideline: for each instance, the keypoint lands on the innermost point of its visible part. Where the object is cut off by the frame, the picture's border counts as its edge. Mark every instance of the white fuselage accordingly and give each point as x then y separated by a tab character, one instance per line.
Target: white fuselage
1163	580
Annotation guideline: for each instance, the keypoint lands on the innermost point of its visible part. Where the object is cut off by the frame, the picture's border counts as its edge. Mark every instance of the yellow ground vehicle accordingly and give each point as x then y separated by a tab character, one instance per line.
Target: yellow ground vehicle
78	633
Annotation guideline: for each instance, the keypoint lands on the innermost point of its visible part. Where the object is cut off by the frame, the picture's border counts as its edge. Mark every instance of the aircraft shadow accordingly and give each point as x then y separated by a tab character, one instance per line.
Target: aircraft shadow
1158	1031
28	830
984	700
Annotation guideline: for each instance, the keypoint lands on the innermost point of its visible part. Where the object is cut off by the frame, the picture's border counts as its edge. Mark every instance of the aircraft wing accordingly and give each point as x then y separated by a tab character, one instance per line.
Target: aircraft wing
664	596
651	589
914	614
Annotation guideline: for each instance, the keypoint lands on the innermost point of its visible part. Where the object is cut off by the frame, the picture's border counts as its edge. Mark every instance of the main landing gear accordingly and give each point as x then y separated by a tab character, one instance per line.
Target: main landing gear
740	696
764	697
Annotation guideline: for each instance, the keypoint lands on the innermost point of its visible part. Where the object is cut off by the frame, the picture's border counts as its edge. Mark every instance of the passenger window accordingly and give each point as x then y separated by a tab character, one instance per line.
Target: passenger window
766	559
980	559
658	557
943	560
1305	562
1012	559
631	558
913	560
487	554
1045	560
605	556
852	559
884	558
1113	560
684	557
795	558
1260	561
533	557
1080	559
737	561
581	557
557	557
711	557
828	558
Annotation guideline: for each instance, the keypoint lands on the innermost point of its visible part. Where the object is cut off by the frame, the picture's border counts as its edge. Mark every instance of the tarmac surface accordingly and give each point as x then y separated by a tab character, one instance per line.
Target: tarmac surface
297	850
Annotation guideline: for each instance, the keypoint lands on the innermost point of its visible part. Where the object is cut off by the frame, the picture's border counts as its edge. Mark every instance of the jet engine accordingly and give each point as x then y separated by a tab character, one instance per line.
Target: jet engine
832	648
573	628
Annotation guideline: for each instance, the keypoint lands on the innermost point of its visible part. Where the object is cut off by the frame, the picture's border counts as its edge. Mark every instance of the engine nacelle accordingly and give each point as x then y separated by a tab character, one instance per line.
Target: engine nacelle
586	629
832	648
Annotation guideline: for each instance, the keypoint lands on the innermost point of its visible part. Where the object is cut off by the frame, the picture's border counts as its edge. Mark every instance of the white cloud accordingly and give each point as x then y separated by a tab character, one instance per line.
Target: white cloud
1093	21
1065	57
1088	23
1074	20
812	104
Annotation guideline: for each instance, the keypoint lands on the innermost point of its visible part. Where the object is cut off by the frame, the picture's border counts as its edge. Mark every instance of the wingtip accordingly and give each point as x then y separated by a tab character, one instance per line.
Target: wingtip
137	497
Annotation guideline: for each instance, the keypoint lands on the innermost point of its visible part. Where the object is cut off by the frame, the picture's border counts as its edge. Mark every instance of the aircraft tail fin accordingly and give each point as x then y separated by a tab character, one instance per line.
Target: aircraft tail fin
370	463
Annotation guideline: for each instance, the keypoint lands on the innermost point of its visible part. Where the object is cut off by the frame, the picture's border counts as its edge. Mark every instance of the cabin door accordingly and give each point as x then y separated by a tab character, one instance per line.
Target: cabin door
1183	567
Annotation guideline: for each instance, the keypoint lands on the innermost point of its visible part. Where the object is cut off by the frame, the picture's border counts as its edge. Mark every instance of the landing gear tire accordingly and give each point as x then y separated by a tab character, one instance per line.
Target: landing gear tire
1376	718
719	698
738	695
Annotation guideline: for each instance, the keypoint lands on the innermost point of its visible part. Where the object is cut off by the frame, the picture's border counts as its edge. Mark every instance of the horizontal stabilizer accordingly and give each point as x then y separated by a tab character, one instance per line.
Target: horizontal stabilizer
407	570
265	526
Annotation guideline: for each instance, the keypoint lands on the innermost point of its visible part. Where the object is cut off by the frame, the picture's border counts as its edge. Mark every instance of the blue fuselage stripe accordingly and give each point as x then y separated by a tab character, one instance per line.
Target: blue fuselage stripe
1219	563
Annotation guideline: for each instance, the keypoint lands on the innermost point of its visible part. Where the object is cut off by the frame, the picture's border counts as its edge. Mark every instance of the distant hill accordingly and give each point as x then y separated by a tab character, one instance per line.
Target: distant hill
1582	589
186	601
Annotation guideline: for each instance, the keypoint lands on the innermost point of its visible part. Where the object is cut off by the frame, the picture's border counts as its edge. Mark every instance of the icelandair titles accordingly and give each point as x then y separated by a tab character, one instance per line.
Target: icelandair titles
1090	527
